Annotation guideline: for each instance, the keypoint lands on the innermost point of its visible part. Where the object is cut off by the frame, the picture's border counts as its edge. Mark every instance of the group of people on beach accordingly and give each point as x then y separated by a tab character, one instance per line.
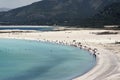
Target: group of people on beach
92	51
75	44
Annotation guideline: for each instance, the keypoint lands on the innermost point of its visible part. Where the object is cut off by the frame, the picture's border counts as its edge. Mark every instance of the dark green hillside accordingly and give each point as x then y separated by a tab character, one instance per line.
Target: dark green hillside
110	15
59	12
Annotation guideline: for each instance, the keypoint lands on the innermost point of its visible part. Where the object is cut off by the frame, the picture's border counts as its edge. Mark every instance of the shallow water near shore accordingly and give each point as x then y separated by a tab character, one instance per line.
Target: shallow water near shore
38	28
33	60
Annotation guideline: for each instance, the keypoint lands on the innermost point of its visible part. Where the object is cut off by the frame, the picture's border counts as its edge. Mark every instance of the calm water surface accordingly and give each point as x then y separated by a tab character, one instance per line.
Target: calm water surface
32	60
38	28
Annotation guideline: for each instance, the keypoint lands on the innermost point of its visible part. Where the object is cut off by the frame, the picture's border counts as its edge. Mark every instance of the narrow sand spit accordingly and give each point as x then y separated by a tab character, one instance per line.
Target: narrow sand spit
108	60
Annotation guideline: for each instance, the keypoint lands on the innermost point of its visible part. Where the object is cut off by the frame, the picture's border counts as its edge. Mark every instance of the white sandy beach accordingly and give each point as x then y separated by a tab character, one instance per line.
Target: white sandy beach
108	64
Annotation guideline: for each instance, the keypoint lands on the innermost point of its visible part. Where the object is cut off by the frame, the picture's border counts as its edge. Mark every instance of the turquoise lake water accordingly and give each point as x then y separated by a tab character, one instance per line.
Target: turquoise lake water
32	60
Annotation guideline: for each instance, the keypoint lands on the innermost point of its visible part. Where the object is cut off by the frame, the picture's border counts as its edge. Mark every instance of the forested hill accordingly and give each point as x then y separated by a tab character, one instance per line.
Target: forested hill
110	15
59	12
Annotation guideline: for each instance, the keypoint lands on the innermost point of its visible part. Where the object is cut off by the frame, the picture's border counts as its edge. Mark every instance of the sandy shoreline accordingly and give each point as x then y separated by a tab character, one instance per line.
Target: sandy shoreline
108	65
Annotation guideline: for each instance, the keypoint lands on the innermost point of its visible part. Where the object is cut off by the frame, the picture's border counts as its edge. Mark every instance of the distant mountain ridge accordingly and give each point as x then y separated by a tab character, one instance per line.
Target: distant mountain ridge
59	12
4	9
